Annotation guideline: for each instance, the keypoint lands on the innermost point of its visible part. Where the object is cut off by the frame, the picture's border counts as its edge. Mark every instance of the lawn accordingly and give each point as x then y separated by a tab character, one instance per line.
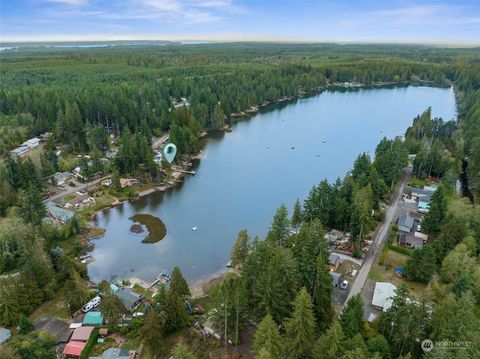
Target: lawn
52	308
385	273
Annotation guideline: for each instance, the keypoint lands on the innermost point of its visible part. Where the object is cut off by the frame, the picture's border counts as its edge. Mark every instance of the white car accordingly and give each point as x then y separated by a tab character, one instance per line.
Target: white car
344	284
95	302
419	228
138	314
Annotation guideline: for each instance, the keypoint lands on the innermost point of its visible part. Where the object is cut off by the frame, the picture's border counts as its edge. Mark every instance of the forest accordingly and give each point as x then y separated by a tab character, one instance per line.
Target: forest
85	96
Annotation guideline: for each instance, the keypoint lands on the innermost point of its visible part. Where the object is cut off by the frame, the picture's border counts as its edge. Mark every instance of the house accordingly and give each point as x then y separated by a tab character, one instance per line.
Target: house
73	349
19	151
383	295
5	335
335	278
93	319
56	327
334	261
58	214
405	223
60	178
423	206
129	299
82	334
81	201
128	182
32	143
116	353
410	240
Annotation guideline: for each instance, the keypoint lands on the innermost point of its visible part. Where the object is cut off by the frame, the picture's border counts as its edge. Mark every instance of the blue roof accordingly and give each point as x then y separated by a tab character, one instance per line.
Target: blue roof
93	318
423	204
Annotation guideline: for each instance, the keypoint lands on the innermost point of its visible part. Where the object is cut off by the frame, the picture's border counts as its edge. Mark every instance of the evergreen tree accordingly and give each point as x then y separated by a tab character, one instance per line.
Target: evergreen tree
296	219
32	206
240	249
112	309
278	232
352	319
178	284
322	295
176	316
421	265
300	328
437	212
378	344
153	330
330	346
267	338
25	325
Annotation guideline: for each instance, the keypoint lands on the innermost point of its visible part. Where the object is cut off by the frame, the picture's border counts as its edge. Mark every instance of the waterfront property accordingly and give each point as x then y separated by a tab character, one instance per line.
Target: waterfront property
57	213
130	299
224	196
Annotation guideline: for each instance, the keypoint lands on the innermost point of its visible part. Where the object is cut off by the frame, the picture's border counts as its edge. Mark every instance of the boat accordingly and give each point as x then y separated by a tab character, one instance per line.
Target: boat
324	141
194	228
229	264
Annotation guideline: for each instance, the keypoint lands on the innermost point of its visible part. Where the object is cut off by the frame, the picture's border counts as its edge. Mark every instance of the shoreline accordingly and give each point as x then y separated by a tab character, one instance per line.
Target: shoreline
198	287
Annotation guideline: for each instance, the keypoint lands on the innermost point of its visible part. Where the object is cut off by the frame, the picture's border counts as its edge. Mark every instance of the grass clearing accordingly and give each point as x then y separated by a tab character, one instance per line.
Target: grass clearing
385	273
52	308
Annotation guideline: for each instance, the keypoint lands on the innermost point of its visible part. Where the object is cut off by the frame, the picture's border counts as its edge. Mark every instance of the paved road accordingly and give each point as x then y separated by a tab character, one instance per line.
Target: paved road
379	240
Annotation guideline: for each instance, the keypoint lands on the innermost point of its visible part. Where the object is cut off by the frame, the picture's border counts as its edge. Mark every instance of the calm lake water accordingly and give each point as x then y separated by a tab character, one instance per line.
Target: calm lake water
245	175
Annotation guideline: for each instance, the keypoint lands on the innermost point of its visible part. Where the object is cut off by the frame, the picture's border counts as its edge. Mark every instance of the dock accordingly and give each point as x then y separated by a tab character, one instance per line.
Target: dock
190	172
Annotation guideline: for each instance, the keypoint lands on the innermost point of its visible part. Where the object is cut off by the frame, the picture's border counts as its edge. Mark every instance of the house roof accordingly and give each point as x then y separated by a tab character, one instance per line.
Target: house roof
58	213
411	240
128	297
405	223
424	204
333	259
114	353
82	334
383	295
19	150
56	327
93	318
74	348
5	334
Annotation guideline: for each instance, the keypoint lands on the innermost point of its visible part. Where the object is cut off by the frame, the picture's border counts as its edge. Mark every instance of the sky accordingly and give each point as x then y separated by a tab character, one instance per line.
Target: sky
447	22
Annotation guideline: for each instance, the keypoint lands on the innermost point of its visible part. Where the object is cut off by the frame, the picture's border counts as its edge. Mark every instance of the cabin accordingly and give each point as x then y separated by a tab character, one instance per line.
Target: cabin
410	240
32	143
405	223
81	201
58	214
19	151
383	295
130	299
60	178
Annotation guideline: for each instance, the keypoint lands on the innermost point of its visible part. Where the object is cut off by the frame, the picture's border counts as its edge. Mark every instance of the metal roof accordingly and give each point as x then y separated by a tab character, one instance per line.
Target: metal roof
58	213
383	295
93	318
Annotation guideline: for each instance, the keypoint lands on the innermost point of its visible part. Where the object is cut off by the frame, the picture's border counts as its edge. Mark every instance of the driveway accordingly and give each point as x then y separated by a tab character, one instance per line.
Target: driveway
380	238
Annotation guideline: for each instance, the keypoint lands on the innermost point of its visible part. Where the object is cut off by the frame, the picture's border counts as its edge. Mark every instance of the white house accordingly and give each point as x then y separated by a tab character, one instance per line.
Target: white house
383	295
32	143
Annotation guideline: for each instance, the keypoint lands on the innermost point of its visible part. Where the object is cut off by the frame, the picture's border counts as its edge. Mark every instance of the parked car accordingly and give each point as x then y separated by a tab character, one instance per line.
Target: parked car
419	228
344	284
138	314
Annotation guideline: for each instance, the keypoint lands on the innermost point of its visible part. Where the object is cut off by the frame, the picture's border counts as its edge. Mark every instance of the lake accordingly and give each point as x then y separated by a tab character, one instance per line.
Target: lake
276	156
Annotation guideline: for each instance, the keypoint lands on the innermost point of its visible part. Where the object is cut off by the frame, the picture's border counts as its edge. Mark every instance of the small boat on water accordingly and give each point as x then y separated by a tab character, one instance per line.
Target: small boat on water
229	264
194	228
324	141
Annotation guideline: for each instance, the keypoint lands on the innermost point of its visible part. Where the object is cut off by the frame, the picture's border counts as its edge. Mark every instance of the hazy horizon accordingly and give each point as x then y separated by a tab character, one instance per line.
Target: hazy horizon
452	23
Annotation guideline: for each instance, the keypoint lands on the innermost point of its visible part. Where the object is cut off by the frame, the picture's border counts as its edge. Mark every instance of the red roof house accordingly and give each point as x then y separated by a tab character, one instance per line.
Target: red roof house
73	349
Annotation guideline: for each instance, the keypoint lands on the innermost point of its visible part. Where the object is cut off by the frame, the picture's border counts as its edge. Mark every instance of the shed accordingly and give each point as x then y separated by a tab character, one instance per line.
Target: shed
383	295
82	334
19	151
5	335
405	223
129	299
335	278
73	349
61	177
32	143
93	318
